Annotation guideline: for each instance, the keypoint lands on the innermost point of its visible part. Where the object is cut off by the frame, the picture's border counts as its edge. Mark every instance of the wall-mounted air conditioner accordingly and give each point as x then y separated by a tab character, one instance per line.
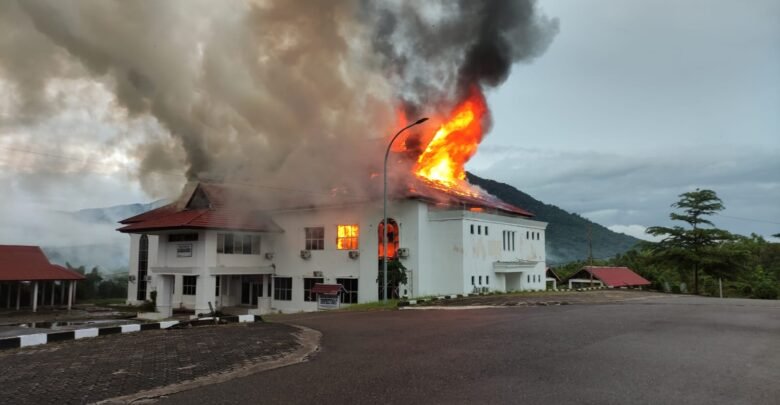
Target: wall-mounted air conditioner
354	254
306	254
269	255
403	253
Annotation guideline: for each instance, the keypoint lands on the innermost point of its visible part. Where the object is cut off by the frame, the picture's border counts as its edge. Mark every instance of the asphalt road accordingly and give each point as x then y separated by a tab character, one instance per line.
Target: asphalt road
681	350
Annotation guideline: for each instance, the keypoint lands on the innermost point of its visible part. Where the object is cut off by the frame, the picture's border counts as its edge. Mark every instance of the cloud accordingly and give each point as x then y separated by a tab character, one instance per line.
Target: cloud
637	231
638	186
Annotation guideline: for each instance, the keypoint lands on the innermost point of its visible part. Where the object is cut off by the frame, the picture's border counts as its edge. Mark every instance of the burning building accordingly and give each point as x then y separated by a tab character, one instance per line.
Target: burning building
232	245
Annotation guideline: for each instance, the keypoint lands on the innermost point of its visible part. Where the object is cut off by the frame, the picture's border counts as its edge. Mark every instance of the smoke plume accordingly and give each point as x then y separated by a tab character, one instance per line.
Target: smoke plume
271	92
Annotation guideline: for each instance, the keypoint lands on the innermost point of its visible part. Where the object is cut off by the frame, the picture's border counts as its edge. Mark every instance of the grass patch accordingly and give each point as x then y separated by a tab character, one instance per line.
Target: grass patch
373	306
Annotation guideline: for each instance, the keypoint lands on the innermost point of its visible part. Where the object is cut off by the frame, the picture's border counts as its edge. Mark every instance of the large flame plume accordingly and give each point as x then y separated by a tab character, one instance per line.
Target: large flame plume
442	163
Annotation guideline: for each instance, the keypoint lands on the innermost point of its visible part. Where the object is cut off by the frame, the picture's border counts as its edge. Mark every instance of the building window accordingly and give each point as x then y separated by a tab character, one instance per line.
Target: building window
529	278
183	237
315	238
472	280
509	240
308	284
347	237
512	239
283	288
216	289
350	293
237	244
189	285
487	280
472	229
486	230
480	280
479	229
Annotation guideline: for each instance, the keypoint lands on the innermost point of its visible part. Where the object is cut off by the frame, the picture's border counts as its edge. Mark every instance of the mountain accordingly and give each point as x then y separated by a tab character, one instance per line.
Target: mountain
98	244
567	233
112	215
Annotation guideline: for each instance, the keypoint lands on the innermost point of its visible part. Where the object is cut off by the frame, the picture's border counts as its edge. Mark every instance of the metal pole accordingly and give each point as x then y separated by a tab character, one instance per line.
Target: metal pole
384	207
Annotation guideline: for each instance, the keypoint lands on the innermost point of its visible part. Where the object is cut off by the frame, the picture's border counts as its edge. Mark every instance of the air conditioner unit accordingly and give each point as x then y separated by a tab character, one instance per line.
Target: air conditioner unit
403	253
306	254
354	254
269	255
131	278
317	274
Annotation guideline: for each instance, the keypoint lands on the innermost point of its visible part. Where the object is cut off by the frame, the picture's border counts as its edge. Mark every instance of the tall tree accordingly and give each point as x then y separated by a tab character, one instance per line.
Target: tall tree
693	247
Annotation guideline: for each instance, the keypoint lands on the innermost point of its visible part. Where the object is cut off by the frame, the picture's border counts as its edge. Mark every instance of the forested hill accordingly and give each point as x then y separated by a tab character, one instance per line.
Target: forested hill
567	234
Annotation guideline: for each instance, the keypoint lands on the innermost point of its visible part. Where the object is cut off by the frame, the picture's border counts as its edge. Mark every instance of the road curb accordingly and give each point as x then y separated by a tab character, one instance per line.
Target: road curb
308	338
411	303
36	339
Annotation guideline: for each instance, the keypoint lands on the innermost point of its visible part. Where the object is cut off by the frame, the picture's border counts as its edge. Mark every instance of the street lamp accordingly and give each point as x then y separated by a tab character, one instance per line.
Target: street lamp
384	205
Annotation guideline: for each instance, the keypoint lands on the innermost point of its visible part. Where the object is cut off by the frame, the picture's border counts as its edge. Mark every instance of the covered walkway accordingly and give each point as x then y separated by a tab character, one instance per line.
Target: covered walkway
28	278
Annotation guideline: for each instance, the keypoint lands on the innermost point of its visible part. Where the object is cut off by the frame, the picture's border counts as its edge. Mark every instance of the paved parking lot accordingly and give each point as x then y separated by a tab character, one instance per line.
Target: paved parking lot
89	370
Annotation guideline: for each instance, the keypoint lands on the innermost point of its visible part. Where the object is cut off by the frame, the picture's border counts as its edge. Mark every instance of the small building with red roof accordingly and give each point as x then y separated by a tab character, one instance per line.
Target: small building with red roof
25	272
232	245
614	277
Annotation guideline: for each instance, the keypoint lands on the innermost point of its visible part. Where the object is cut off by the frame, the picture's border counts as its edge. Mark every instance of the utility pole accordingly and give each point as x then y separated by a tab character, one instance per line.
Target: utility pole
590	252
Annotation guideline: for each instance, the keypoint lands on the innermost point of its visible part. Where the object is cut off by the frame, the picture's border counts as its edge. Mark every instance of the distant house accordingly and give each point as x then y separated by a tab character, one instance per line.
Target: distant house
552	277
25	272
606	276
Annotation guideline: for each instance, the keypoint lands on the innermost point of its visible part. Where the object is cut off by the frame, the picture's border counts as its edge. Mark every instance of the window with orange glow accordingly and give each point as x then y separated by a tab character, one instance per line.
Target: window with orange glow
347	237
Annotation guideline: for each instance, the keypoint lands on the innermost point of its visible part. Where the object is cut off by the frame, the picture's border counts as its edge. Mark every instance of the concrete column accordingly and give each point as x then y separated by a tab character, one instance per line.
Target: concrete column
204	294
165	295
18	294
70	294
35	297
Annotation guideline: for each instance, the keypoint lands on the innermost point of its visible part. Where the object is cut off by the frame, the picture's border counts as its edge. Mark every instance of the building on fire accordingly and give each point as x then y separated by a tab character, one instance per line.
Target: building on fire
217	247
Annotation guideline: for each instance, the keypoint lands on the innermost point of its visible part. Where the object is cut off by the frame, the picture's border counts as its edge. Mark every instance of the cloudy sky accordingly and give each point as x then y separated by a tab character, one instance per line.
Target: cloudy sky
633	103
636	102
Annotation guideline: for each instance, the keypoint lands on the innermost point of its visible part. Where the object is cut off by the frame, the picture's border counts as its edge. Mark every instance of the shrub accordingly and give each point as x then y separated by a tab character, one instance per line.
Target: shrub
766	291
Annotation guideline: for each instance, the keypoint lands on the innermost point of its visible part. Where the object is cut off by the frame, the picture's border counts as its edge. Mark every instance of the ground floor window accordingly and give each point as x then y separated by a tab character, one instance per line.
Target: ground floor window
189	285
350	293
308	284
216	290
283	288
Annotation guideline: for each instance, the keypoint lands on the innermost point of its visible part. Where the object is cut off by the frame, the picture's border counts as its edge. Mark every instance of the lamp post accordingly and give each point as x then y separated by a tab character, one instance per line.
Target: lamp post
384	205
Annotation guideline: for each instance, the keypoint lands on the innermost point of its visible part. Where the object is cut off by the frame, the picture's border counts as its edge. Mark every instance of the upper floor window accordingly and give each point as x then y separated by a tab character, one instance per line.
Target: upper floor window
238	244
509	240
347	237
183	237
315	238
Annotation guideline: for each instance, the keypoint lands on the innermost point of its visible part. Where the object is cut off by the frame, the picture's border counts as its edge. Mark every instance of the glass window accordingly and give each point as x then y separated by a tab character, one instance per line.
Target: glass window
216	290
189	285
347	237
315	238
220	243
487	280
486	230
308	283
472	229
283	288
480	280
472	280
350	293
228	243
247	244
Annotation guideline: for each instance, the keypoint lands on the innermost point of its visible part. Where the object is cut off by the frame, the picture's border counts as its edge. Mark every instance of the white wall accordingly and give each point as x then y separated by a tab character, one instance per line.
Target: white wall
132	287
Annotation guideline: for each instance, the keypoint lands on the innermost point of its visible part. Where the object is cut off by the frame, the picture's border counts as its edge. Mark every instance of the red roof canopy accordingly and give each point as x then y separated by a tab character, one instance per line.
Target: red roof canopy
29	263
328	289
616	276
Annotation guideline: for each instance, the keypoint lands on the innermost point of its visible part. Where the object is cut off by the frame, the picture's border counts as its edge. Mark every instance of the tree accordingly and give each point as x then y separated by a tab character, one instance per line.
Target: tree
694	247
396	275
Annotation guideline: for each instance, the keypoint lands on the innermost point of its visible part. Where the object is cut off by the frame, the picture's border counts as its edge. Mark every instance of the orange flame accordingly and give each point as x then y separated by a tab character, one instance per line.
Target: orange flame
456	141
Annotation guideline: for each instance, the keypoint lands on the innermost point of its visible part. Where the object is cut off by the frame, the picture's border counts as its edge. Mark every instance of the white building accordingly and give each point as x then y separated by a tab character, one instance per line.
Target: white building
204	250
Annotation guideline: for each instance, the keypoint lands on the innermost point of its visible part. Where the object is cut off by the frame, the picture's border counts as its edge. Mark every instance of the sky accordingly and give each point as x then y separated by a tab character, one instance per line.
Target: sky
636	102
633	103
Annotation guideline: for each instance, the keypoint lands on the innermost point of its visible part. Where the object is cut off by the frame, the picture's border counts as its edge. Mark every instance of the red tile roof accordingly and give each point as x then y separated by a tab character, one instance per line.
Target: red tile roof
217	215
29	263
616	276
